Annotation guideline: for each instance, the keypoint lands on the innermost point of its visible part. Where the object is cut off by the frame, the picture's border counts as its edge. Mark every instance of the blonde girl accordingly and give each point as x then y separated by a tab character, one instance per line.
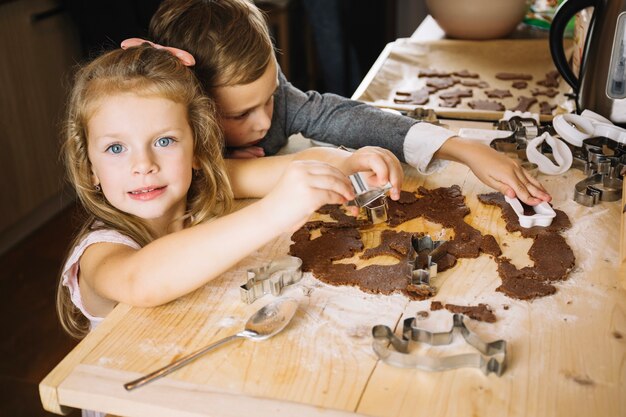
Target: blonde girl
143	150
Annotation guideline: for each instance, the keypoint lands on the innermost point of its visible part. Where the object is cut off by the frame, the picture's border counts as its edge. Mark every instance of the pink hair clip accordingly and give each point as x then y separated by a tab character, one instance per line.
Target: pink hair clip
185	57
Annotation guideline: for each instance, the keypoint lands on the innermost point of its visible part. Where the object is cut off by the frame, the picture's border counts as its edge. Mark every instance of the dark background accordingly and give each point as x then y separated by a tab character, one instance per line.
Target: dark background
352	33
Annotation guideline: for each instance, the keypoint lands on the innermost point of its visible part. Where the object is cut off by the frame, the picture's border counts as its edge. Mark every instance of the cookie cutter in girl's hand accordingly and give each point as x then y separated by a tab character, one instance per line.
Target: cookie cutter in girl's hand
543	213
271	278
575	128
489	357
373	199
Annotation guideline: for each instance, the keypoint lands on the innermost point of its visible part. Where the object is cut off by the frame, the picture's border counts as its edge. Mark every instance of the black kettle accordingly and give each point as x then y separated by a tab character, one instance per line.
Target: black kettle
601	86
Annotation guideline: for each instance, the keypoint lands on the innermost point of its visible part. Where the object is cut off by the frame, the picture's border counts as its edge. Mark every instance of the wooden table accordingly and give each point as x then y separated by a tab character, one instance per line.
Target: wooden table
567	352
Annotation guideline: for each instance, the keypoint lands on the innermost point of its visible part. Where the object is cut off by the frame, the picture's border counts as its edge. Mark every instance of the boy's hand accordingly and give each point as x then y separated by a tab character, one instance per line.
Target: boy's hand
500	172
379	165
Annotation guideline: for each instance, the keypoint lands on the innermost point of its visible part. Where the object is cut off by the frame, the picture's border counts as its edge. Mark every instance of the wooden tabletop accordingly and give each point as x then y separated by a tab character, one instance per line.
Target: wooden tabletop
566	352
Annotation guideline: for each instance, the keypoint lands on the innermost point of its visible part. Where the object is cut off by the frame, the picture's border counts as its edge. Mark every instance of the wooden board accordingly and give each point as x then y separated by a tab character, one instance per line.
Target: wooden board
397	67
622	247
565	350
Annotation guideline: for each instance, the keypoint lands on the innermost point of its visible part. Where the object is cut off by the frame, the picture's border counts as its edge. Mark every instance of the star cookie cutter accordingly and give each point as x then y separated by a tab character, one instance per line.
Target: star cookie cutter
271	278
542	214
489	357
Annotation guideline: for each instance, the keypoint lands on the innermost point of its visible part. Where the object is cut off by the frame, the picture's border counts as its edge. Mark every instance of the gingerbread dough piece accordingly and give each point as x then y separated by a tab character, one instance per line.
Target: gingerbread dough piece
441	83
450	102
495	93
546	108
486	105
490	246
432	73
465	74
481	312
520	85
513	76
551	80
525	289
524	103
458	93
549	92
453	97
474	83
420	96
436	305
392	243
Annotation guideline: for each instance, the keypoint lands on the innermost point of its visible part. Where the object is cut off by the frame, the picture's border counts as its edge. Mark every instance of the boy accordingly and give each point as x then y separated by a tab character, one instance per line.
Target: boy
259	109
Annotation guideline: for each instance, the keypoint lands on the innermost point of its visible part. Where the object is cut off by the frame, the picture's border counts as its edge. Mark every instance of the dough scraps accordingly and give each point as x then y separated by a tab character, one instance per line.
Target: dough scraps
481	312
341	239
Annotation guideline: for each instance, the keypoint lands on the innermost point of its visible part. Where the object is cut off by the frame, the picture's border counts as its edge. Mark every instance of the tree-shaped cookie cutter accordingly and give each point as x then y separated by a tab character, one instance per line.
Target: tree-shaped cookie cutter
271	278
423	255
489	357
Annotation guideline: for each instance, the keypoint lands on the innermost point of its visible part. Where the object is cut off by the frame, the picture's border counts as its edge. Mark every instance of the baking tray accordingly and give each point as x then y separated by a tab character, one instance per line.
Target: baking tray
397	67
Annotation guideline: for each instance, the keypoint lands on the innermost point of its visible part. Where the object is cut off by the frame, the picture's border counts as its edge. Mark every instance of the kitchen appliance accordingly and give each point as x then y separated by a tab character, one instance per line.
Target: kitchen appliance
601	85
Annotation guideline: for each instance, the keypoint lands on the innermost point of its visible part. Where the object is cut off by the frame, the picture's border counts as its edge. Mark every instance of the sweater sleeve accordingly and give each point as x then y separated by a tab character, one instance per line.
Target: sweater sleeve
339	121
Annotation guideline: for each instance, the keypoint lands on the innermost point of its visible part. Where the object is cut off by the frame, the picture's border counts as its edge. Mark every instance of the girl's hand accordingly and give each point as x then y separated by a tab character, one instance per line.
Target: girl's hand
501	172
304	187
381	165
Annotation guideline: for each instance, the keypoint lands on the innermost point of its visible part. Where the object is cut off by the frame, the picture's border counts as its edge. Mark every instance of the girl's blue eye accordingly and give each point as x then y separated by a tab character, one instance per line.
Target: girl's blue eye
116	148
163	142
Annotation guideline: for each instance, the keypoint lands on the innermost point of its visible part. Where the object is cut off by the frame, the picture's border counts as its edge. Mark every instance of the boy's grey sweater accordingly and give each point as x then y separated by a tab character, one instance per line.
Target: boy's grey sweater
332	119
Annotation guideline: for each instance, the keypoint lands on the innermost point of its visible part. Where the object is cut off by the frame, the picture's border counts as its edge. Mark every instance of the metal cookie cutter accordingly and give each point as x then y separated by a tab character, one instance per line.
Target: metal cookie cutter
490	357
603	160
596	188
542	214
423	256
373	199
524	129
271	278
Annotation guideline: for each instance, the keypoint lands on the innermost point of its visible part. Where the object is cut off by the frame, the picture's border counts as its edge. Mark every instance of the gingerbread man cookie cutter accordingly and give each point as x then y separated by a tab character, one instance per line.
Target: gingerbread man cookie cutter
489	357
271	278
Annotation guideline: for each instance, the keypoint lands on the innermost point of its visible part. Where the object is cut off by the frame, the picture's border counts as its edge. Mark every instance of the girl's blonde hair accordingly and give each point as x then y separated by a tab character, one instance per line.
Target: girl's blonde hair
145	71
229	39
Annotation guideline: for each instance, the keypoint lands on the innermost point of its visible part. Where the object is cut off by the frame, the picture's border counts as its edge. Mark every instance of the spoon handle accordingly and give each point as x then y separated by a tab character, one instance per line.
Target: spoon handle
168	369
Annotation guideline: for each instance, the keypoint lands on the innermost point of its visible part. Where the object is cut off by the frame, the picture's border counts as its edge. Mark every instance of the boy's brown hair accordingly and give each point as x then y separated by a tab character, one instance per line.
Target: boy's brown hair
228	38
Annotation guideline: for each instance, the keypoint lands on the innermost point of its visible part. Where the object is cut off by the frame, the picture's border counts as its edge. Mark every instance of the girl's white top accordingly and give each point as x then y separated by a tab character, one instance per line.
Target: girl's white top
72	266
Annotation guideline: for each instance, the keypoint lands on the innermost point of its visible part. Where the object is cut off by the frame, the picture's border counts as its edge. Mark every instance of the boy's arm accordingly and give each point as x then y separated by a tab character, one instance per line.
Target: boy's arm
339	121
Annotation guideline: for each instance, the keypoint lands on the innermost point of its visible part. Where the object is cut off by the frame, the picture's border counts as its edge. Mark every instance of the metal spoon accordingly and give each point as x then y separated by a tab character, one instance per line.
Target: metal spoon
265	323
